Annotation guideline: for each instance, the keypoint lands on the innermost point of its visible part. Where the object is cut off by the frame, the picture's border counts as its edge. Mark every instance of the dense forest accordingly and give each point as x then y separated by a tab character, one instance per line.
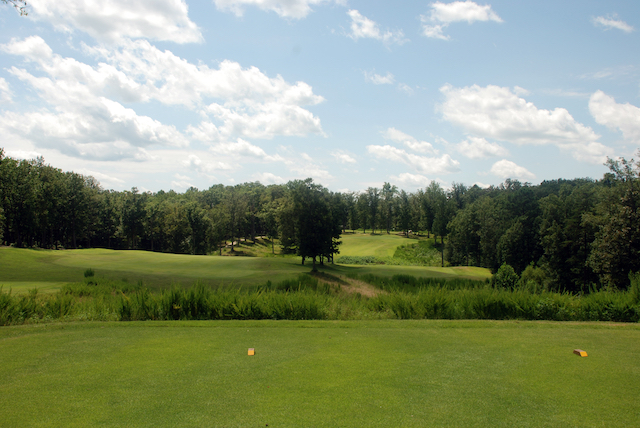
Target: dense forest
573	235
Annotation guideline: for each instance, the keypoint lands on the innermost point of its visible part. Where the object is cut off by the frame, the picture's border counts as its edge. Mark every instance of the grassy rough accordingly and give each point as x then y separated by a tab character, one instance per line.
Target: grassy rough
403	297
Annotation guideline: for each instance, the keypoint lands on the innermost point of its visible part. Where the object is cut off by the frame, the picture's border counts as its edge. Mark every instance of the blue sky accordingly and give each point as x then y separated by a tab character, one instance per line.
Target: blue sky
168	94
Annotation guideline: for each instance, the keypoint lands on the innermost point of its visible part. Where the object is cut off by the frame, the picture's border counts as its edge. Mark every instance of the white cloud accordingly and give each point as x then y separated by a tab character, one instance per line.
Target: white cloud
242	148
408	179
105	180
481	185
428	165
612	21
477	148
507	169
408	141
85	119
624	117
196	163
306	170
268	178
406	88
343	157
443	14
113	20
295	9
497	113
5	92
183	182
364	28
377	79
23	154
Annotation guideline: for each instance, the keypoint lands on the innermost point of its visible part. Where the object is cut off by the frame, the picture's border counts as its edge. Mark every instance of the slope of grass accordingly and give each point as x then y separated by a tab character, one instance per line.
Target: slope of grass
360	244
321	374
22	269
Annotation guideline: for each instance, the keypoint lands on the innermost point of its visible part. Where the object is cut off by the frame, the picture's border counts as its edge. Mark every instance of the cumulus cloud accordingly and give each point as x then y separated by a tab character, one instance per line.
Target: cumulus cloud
295	9
507	169
23	154
408	179
105	180
498	113
623	117
308	169
342	157
242	148
5	92
183	182
443	14
377	79
268	178
477	148
206	167
365	28
87	116
408	141
427	165
113	20
612	22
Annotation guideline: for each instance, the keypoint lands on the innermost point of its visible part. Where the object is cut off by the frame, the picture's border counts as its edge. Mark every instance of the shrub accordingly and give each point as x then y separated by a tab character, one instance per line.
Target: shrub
506	277
89	273
533	279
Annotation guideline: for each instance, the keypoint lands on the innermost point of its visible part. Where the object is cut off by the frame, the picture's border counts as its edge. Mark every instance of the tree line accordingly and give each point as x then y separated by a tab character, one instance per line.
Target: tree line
576	233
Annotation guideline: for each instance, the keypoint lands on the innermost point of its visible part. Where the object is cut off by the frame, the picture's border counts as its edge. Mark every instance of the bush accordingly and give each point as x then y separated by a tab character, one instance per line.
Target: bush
89	273
533	279
506	277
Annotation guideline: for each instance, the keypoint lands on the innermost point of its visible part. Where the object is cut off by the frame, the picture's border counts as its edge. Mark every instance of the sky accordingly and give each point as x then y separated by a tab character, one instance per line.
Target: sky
169	94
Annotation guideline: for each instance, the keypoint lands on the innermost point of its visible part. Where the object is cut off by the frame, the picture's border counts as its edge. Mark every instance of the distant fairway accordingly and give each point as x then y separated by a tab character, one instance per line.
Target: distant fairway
320	374
47	270
382	245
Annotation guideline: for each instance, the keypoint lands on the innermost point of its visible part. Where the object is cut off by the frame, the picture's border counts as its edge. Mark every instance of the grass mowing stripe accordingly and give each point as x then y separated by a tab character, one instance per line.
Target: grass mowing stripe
382	373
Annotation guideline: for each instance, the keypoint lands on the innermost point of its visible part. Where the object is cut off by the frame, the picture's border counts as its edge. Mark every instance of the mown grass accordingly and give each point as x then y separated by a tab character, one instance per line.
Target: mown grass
360	244
320	373
23	269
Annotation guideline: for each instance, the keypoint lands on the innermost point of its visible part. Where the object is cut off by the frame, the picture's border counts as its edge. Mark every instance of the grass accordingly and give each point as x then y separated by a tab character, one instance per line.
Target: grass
382	245
24	269
321	374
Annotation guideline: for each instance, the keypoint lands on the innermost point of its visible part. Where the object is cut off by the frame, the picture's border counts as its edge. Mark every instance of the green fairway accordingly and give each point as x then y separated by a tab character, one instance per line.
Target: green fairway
361	244
23	269
320	374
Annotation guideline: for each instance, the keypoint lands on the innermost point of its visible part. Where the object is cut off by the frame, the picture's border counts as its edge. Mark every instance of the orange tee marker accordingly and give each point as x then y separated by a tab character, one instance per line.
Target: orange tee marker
252	351
580	352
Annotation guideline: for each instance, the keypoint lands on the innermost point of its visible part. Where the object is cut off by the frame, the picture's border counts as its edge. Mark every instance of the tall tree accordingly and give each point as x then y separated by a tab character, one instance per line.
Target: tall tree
373	197
616	248
389	193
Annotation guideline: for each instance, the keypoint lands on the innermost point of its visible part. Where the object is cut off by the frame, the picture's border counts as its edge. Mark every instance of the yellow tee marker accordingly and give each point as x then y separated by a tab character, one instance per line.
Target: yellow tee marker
252	351
580	352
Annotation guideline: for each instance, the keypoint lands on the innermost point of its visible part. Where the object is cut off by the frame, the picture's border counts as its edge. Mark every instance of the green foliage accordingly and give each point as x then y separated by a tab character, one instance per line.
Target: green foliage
533	279
506	277
634	288
402	296
89	273
359	260
422	253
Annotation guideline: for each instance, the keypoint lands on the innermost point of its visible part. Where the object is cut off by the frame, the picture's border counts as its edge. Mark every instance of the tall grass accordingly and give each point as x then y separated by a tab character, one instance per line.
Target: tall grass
404	297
